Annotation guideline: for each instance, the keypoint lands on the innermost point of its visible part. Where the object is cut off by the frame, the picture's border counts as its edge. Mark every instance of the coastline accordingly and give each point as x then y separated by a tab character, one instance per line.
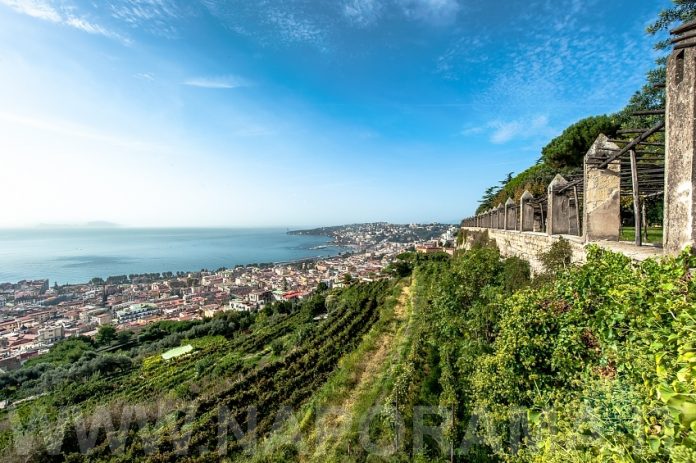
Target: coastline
75	256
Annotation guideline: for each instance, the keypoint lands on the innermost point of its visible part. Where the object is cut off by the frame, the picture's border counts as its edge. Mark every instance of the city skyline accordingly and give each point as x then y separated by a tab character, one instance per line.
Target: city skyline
166	113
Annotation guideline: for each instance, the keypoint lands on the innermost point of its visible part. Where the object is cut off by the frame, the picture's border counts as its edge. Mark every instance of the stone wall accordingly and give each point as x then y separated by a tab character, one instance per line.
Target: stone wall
528	245
525	245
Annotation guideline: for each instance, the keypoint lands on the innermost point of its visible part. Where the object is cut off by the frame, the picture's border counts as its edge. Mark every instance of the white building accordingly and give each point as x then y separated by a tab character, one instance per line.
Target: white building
51	334
136	312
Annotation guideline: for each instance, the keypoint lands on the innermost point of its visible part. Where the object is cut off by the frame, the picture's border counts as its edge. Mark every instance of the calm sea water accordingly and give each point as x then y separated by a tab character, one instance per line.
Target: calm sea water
78	255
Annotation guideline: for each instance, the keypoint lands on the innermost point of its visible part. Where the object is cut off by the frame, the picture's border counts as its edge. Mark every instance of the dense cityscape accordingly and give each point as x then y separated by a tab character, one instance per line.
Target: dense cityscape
35	315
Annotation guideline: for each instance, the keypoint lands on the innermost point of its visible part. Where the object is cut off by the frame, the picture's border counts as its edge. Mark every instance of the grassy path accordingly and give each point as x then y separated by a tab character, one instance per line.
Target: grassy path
368	383
324	426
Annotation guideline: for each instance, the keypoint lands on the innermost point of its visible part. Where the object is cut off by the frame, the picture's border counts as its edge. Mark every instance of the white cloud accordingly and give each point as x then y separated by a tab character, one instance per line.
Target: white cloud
363	12
505	131
472	131
220	82
44	10
145	76
572	63
436	12
35	8
295	28
155	16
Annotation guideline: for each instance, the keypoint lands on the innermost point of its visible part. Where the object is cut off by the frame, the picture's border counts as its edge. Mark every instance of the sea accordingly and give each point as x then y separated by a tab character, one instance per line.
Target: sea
74	255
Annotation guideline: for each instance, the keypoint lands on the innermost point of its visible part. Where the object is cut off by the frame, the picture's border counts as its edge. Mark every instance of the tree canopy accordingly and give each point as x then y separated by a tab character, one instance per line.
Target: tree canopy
569	148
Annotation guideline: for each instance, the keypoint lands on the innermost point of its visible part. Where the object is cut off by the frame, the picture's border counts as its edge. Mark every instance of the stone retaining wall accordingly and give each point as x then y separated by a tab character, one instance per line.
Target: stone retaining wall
529	245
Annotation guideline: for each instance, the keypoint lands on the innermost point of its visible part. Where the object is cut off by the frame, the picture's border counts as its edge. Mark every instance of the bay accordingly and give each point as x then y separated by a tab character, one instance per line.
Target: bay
78	255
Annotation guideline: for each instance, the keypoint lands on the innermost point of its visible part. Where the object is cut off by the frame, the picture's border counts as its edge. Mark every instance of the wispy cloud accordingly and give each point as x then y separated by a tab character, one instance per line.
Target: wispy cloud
369	12
156	16
323	25
472	131
47	11
437	12
465	50
35	8
145	76
506	131
294	27
363	12
502	131
218	82
570	61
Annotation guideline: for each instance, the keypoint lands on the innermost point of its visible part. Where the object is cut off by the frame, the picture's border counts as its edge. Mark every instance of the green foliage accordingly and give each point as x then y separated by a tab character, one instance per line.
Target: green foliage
516	274
105	335
569	148
557	258
231	364
64	352
682	11
599	361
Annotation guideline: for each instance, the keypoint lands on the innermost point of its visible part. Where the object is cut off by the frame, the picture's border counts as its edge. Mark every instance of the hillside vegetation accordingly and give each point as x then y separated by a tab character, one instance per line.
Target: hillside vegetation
452	359
135	406
586	364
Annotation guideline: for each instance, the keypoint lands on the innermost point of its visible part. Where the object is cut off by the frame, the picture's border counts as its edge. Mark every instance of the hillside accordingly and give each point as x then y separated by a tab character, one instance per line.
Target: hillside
458	359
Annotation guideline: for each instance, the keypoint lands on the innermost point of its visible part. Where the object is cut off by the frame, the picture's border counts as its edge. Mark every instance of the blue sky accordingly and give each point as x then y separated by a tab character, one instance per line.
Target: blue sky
295	112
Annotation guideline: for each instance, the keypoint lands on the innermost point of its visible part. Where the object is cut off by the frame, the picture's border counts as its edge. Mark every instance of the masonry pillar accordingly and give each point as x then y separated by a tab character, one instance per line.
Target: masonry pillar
680	166
602	198
526	212
540	219
500	216
558	220
510	215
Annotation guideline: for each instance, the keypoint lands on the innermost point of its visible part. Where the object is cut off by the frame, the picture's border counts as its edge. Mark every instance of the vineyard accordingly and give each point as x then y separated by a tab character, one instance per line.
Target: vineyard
582	364
463	359
223	376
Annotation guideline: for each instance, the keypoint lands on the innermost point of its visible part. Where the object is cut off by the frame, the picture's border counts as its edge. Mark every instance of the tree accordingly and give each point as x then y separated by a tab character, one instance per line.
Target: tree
682	11
489	195
569	148
105	335
124	337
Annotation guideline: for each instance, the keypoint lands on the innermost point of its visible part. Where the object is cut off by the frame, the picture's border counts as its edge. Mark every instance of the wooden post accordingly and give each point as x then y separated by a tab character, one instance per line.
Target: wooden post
577	210
636	199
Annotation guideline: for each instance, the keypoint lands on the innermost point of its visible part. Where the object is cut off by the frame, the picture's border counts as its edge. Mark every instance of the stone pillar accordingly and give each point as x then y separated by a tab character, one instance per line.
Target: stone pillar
680	165
526	212
558	220
602	198
538	224
500	216
510	215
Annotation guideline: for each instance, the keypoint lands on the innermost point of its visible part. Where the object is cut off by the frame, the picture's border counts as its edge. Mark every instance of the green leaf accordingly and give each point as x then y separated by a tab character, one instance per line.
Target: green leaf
664	393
